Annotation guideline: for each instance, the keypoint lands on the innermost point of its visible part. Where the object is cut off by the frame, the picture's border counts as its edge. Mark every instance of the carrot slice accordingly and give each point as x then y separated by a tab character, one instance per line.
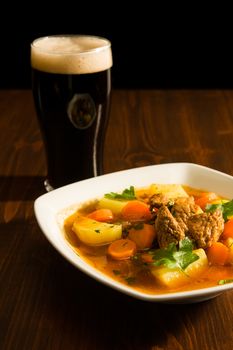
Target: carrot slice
136	211
228	229
102	215
205	198
122	249
143	237
218	253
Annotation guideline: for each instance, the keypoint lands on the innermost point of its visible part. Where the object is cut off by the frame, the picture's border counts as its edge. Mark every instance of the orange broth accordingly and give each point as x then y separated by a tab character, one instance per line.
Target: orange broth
135	275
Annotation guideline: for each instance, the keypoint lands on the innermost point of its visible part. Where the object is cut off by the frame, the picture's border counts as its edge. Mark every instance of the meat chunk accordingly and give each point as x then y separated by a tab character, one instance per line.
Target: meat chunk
167	228
183	208
157	200
205	228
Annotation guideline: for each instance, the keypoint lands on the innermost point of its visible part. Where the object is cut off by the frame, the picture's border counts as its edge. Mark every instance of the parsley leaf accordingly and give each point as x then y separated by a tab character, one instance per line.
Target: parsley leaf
225	207
130	280
172	257
127	194
186	245
165	256
230	280
138	226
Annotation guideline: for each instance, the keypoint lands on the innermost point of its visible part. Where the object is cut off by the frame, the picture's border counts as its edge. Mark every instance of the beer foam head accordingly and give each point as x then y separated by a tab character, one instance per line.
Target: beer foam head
74	54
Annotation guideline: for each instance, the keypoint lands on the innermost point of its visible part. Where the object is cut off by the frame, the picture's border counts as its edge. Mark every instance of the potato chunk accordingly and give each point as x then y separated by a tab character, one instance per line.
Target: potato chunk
171	190
114	205
94	233
174	278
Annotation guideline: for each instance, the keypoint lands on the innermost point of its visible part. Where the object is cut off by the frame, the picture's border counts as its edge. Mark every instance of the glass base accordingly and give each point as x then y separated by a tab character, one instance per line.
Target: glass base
47	186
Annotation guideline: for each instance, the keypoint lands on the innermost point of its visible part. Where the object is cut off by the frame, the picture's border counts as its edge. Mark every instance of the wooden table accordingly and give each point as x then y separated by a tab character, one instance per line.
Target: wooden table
45	303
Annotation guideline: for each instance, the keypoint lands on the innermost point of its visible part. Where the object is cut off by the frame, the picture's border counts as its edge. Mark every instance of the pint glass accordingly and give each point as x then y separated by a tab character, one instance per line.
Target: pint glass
71	83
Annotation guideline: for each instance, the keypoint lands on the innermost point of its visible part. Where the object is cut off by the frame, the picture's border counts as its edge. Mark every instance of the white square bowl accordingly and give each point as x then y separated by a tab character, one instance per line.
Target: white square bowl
52	208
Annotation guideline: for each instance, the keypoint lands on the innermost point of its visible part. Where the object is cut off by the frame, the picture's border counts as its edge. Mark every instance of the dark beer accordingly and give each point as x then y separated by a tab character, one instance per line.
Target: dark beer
72	103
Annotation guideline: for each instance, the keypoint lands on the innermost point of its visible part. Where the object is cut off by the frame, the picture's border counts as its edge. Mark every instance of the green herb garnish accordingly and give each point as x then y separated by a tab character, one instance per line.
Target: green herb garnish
230	280
138	226
127	194
225	207
130	280
172	257
97	231
116	272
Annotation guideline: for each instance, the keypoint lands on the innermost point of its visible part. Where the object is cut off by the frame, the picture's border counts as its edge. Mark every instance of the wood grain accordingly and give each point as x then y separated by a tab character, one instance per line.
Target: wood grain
150	127
45	303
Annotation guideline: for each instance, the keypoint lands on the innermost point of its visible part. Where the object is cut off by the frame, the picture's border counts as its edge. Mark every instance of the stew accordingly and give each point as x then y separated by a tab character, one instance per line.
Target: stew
162	238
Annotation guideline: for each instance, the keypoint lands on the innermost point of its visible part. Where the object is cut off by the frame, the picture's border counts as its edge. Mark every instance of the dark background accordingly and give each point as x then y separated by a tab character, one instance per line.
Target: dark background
186	47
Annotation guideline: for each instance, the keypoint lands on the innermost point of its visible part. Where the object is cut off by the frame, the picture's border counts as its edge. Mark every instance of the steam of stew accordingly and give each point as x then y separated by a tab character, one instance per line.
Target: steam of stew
162	238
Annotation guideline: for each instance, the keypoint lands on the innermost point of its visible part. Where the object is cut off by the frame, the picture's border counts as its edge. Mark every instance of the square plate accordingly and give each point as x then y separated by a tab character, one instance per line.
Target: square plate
52	208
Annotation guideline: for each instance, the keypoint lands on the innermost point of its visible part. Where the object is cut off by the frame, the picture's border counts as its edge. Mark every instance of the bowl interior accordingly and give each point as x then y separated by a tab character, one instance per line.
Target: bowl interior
52	208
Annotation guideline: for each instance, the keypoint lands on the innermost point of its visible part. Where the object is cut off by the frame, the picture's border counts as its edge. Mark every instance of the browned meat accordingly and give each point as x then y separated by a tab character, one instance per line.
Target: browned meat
167	228
205	228
157	200
183	208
